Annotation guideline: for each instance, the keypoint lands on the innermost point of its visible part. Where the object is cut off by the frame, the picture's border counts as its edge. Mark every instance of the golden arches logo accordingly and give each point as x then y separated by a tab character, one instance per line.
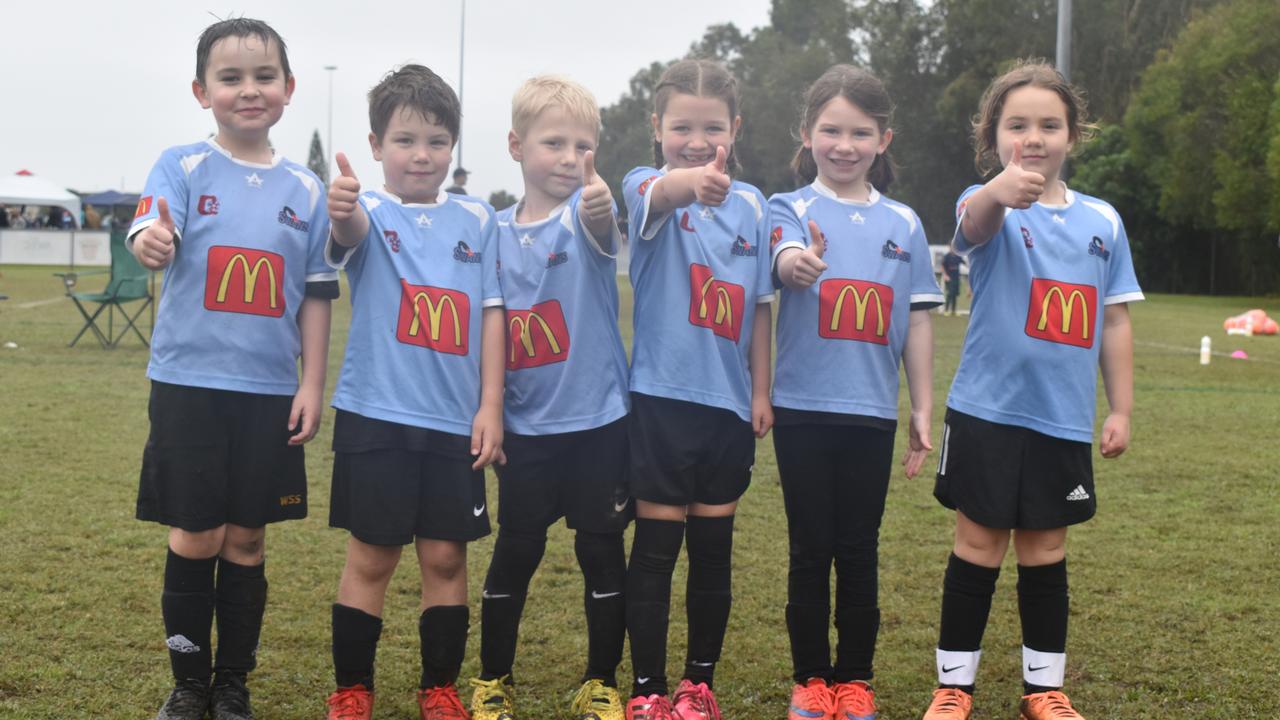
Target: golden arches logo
724	304
861	301
434	313
250	275
526	338
1067	304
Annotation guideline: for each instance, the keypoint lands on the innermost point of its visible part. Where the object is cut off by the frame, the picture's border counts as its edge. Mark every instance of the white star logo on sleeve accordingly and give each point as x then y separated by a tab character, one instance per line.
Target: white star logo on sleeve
424	221
253	180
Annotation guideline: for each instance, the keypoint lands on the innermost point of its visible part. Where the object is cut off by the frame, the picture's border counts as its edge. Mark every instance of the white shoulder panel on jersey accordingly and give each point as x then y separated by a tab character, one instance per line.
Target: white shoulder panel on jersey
189	162
751	198
475	209
313	187
1107	212
905	212
566	217
801	205
370	202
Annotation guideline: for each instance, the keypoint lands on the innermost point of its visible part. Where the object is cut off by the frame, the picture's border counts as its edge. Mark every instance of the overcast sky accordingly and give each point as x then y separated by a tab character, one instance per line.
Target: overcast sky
92	92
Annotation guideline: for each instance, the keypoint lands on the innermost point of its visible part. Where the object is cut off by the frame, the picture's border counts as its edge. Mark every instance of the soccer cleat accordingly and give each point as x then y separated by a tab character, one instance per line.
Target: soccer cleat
812	701
230	697
652	707
188	701
949	704
441	703
854	701
493	699
695	702
352	703
596	701
1049	705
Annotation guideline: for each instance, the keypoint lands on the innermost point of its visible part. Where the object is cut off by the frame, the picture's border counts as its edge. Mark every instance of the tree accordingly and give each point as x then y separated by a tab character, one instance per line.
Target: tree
316	161
501	199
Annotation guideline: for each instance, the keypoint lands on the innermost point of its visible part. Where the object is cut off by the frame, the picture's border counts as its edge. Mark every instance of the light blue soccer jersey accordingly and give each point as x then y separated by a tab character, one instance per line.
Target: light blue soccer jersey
419	282
249	237
1030	356
840	340
566	367
697	274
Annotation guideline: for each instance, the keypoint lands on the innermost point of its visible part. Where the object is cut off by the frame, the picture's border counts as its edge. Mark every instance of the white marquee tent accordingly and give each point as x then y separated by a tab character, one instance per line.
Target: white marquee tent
35	190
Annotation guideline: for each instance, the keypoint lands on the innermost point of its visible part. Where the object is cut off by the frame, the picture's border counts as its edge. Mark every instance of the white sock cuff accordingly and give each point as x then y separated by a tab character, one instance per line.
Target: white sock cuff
958	667
1043	668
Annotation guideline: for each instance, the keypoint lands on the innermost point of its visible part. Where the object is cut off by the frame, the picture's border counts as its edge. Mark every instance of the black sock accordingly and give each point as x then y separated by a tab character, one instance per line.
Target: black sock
442	630
186	604
710	548
653	559
1043	606
241	601
966	604
856	628
515	558
810	647
355	644
604	574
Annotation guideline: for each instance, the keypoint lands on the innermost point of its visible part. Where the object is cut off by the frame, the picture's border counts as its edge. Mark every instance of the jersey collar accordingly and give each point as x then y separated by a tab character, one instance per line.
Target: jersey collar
1066	193
557	211
872	198
441	199
275	157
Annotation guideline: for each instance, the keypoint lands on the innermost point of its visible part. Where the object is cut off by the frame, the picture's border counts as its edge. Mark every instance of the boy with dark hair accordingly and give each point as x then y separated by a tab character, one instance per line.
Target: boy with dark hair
245	293
419	398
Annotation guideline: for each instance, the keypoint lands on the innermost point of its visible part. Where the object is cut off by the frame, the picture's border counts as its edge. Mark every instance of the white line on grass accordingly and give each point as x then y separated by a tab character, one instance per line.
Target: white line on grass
38	303
1196	351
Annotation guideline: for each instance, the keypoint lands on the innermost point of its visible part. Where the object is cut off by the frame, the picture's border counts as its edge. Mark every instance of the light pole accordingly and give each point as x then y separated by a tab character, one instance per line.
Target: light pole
328	148
462	44
1063	61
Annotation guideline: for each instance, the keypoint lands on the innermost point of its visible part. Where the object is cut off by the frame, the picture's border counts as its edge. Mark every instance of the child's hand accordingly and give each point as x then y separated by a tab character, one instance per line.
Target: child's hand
761	415
1115	436
809	264
1015	187
344	192
154	245
712	186
919	445
597	201
486	438
305	415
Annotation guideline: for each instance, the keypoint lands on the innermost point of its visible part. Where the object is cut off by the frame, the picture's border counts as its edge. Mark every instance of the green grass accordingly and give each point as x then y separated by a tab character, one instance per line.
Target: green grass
1174	610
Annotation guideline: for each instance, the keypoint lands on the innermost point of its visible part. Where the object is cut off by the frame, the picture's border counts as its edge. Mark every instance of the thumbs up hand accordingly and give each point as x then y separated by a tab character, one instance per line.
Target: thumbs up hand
597	201
344	191
153	247
713	183
808	264
1016	187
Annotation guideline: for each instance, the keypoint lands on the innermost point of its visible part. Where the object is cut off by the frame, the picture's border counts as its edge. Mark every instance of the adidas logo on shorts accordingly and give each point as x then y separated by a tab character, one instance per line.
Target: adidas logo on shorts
179	643
1078	494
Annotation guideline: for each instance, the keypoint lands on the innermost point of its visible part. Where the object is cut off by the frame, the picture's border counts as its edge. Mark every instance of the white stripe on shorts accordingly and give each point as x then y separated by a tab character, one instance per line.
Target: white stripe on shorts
946	442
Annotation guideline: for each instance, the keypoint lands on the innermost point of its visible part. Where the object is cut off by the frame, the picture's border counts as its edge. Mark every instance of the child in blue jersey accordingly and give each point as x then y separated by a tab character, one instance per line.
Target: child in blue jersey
419	398
858	285
699	377
239	232
1052	279
566	395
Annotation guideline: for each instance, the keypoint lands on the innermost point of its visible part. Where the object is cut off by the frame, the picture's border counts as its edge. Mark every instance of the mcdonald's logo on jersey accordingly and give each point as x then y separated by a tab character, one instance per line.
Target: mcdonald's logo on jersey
244	280
715	304
1052	314
537	336
854	310
644	186
434	318
144	207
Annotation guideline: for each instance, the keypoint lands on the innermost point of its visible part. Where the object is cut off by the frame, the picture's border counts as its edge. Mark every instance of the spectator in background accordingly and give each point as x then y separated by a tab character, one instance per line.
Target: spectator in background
951	263
459	182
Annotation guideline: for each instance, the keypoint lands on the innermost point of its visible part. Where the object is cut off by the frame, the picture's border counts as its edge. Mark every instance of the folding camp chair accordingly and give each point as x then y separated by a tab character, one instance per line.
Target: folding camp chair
129	281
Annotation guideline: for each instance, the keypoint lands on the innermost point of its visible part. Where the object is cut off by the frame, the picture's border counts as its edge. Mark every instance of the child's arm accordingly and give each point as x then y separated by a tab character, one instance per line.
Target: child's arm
486	428
1117	376
759	357
917	358
798	269
308	403
595	206
708	185
153	245
1012	188
349	221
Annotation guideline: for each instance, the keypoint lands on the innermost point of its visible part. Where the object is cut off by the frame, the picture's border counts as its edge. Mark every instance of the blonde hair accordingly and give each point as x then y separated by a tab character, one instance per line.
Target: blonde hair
1035	72
537	94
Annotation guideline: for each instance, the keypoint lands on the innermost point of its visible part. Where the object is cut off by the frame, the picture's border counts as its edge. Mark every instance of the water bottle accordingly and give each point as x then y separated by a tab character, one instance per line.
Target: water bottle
1205	350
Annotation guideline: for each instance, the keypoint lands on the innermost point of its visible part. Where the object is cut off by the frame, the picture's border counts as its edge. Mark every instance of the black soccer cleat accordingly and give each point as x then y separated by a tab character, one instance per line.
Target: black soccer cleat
188	701
230	697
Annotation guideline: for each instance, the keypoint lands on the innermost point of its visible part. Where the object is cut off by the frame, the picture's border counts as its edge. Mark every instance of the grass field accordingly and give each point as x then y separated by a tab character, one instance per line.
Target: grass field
1174	584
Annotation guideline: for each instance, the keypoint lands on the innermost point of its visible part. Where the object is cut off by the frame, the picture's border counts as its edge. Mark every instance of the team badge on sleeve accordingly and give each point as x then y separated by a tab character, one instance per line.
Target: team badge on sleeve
644	186
715	304
144	207
775	237
854	310
537	336
434	318
243	280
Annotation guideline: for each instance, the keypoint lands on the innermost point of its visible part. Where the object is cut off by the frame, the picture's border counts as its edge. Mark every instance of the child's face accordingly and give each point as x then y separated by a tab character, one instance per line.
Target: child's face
1036	118
245	87
550	154
845	141
692	127
415	153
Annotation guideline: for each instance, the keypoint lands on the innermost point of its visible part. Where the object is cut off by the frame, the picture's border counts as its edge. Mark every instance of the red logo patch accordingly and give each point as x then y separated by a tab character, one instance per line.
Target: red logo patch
537	336
685	224
144	207
715	304
208	205
855	310
1052	316
644	186
434	318
775	237
243	280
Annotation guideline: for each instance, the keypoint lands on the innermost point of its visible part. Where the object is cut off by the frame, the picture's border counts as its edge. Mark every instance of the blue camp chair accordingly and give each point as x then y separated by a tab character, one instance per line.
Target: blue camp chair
129	281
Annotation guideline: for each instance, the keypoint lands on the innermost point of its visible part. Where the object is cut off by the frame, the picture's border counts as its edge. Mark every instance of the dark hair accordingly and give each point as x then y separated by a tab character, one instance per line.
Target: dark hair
700	78
240	28
867	93
1038	73
418	89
